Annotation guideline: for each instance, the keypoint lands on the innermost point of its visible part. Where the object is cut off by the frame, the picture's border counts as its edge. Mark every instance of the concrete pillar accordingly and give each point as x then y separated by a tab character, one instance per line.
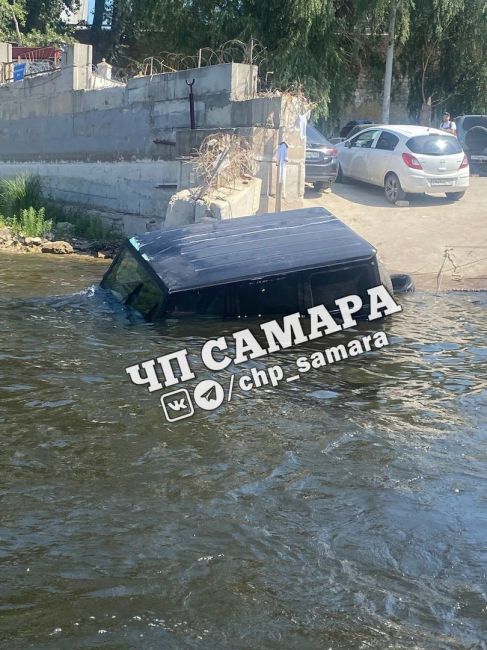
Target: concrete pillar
79	65
5	60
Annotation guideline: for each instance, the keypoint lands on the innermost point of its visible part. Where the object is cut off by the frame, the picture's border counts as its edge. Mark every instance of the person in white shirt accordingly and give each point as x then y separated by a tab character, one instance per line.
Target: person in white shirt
448	124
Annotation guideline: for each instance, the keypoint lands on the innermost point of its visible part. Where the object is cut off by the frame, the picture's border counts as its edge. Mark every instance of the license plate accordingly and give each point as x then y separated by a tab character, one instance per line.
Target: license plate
481	158
312	155
441	181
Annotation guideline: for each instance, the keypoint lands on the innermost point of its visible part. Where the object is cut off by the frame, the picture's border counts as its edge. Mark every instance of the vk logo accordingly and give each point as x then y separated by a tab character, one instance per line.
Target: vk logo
177	405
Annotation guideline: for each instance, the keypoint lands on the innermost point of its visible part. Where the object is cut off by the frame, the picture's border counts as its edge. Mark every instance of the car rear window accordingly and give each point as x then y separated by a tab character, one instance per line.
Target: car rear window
474	120
434	145
315	138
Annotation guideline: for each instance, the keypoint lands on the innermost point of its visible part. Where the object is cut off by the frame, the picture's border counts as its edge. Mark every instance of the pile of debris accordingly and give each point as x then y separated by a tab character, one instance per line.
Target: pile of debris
222	160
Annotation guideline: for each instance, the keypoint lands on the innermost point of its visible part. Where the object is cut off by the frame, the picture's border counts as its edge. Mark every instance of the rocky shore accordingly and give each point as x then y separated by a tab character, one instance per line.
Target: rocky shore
57	246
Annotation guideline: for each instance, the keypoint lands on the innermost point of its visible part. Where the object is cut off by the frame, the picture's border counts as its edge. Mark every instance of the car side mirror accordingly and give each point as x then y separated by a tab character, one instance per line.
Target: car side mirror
348	144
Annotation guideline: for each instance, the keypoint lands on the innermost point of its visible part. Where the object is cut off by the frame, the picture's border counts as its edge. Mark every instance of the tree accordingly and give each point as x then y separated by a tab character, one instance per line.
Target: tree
446	58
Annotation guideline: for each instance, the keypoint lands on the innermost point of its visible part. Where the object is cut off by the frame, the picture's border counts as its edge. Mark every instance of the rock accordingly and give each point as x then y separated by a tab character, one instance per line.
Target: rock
103	255
83	245
33	241
64	230
57	247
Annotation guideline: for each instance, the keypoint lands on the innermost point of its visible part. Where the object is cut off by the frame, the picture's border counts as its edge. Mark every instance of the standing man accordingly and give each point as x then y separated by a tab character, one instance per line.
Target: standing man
448	124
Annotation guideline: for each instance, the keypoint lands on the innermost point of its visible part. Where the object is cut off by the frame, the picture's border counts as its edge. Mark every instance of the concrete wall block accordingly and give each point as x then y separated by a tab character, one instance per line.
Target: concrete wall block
99	100
125	188
217	116
180	210
261	111
244	81
172	85
61	104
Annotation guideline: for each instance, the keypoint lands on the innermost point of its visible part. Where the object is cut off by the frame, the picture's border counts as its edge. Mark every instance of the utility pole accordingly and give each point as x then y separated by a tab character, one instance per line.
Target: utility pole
386	104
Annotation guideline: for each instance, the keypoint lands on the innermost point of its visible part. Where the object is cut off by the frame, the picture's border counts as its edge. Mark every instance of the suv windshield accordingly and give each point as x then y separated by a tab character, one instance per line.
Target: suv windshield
314	138
133	286
434	145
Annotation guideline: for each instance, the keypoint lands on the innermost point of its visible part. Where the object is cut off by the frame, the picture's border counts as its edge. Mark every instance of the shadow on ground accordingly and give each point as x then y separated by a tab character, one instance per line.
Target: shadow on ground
370	195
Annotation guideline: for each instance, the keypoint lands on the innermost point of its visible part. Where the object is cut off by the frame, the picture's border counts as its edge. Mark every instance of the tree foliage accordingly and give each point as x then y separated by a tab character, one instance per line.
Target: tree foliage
440	45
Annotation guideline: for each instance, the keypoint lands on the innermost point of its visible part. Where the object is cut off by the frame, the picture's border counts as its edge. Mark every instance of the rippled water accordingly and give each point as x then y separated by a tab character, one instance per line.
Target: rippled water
346	512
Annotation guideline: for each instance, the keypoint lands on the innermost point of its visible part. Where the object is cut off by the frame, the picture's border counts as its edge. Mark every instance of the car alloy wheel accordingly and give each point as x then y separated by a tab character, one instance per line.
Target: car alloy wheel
393	189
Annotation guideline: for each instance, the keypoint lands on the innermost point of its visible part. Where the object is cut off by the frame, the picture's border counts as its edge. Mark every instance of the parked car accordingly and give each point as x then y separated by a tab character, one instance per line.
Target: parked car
321	159
345	130
472	133
271	264
405	159
360	127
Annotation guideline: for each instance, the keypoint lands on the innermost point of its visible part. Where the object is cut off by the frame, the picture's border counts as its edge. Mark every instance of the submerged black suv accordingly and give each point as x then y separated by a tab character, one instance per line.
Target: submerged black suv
267	265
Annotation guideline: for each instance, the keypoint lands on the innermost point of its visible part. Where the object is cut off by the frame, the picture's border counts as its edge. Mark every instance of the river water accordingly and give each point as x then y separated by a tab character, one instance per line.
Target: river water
346	512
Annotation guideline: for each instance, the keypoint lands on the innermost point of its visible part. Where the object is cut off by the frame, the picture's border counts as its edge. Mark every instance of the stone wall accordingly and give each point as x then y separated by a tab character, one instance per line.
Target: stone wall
367	101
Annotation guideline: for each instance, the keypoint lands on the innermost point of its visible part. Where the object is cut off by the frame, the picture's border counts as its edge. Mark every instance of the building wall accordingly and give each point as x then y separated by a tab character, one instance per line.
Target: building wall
367	102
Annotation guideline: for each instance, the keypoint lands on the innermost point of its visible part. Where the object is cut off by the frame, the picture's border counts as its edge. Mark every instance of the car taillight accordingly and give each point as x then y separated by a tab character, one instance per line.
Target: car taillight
464	163
411	161
331	152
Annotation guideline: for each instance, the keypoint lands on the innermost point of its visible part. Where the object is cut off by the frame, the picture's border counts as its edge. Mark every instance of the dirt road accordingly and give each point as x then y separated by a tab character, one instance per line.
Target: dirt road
441	243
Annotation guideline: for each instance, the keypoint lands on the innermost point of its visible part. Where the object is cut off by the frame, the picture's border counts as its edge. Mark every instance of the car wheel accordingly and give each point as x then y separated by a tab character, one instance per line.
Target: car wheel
455	196
341	178
393	189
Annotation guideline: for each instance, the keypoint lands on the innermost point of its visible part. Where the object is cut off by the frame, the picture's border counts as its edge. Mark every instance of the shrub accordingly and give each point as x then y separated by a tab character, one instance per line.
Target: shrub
31	223
19	193
23	207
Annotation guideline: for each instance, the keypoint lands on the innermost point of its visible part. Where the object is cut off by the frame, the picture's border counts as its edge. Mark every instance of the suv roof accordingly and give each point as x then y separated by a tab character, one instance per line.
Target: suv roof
234	250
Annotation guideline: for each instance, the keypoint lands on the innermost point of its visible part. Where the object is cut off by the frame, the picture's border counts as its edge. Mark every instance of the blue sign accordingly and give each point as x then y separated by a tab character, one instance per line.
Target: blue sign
19	71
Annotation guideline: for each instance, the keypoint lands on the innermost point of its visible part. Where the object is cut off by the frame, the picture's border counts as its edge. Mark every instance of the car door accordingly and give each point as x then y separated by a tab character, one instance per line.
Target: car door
359	150
378	161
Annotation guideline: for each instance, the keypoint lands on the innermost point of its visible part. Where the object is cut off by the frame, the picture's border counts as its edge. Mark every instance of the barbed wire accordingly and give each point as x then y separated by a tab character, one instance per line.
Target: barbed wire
235	51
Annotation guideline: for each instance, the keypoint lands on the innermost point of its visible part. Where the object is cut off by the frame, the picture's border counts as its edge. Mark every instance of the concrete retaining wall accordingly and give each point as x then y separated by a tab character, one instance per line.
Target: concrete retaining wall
121	149
132	195
50	118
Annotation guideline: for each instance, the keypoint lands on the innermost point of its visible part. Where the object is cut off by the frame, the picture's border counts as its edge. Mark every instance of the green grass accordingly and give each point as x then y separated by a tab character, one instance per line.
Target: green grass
23	207
31	223
19	193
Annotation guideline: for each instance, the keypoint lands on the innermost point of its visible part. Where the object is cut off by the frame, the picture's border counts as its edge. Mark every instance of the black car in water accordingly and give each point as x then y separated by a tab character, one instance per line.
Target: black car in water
267	265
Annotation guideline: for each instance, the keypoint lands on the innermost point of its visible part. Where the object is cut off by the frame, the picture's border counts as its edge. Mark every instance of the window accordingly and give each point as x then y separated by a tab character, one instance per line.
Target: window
387	141
277	296
434	145
209	301
327	286
364	139
315	138
133	286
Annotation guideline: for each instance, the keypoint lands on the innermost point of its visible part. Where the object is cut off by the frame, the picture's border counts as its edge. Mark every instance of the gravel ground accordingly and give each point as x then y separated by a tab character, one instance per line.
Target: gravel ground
429	235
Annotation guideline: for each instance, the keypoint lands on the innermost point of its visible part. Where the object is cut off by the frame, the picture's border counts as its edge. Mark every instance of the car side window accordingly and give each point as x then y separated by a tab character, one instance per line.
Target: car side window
387	141
364	139
268	297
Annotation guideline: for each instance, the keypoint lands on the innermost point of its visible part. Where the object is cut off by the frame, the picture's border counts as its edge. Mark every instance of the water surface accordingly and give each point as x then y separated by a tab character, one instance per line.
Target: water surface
346	512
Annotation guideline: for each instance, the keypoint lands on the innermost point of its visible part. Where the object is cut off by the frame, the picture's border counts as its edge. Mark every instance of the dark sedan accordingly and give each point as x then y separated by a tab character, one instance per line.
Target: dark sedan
321	159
